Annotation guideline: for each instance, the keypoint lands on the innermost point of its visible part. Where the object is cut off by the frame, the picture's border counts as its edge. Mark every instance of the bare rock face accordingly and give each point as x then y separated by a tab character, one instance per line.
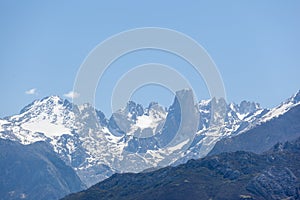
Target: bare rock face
275	183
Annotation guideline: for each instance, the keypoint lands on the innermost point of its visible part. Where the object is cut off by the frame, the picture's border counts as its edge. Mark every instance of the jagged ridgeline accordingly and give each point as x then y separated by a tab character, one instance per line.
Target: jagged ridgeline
96	147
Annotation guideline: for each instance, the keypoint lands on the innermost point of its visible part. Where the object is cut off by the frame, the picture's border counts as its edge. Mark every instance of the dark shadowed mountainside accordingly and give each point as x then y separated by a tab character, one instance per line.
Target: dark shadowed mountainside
34	172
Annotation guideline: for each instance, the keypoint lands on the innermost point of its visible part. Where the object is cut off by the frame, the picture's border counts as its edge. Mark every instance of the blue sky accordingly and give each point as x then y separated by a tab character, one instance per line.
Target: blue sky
255	45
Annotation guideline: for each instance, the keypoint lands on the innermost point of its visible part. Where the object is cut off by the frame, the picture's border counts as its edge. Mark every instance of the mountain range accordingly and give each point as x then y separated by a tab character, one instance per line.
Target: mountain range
135	138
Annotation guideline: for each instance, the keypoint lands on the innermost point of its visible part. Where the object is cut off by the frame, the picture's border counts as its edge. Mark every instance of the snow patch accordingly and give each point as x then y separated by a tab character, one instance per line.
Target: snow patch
145	121
280	110
49	129
178	146
3	122
241	116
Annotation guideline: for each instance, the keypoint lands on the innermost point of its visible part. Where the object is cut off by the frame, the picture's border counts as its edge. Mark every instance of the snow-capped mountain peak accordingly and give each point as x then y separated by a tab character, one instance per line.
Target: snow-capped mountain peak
46	118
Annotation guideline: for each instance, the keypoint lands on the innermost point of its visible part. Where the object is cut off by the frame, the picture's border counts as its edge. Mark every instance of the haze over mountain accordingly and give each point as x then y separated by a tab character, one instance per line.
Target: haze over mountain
135	139
161	144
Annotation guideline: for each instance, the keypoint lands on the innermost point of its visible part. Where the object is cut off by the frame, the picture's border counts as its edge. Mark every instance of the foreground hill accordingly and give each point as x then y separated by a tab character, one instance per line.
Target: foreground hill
239	175
34	172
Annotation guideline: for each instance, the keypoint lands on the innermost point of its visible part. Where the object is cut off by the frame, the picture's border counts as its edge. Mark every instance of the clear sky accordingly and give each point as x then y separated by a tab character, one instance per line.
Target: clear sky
255	45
